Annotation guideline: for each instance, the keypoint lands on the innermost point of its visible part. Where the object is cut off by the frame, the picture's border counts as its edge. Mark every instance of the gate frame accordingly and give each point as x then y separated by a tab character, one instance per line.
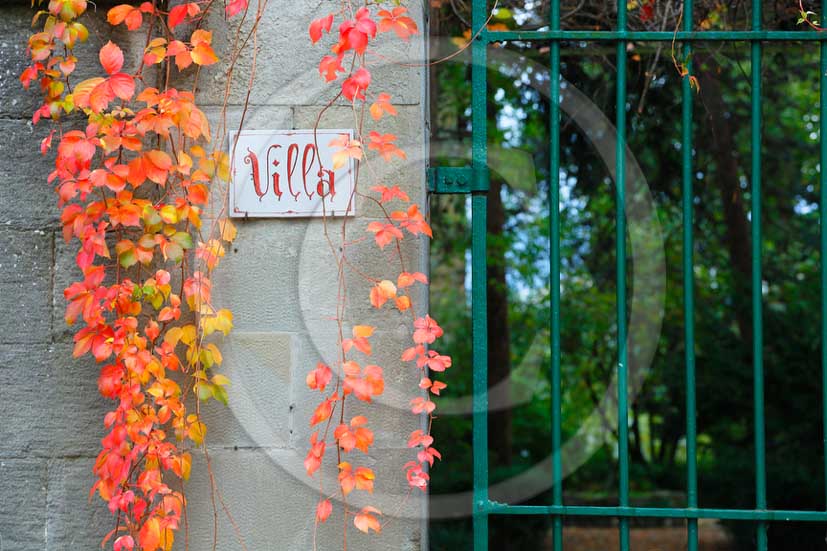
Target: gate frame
474	180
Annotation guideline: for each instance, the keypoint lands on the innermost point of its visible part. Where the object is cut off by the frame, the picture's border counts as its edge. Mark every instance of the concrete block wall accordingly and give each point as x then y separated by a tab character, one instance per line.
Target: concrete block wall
279	280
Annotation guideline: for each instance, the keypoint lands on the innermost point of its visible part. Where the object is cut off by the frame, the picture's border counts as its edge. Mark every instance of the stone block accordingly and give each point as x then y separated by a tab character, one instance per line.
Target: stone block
272	502
25	286
259	413
258	277
74	521
286	63
22	504
53	400
28	200
15	28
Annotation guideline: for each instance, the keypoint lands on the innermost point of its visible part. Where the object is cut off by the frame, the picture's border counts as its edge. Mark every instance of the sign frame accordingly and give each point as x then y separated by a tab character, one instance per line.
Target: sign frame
290	175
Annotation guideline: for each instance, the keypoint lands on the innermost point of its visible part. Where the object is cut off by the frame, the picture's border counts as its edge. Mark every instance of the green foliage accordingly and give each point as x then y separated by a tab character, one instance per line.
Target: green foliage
519	120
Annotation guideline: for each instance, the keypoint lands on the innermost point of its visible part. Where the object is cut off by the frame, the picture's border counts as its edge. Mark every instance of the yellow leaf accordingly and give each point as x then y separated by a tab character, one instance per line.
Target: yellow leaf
220	380
173	335
188	334
228	230
216	353
169	214
197	432
363	331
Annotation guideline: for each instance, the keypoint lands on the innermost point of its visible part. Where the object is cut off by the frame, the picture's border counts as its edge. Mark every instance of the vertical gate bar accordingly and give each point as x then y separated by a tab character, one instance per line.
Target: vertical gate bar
479	278
554	275
822	169
689	283
620	215
757	287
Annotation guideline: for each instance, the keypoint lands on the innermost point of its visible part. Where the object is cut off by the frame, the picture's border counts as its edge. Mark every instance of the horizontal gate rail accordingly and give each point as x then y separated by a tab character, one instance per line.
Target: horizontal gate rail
474	179
495	508
653	36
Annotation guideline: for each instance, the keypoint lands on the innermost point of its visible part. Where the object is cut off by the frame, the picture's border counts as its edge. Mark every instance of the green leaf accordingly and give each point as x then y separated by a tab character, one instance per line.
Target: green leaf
221	394
503	14
184	239
174	251
128	258
204	391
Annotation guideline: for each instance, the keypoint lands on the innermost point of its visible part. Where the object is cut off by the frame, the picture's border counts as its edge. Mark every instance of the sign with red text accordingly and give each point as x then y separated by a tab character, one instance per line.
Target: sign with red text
290	173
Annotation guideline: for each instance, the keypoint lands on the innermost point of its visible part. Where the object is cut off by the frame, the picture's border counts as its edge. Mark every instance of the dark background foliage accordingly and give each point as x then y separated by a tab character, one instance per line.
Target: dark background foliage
518	267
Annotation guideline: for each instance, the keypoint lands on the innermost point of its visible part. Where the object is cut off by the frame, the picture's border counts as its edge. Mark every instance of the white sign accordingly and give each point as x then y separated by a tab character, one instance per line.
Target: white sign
289	173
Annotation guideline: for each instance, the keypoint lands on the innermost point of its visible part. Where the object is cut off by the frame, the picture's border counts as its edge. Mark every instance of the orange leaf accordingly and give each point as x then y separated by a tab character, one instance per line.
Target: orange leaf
397	22
383	143
150	536
384	233
382	105
390	193
314	457
125	13
421	405
322	412
330	66
363	331
354	87
365	521
83	91
382	292
203	54
347	149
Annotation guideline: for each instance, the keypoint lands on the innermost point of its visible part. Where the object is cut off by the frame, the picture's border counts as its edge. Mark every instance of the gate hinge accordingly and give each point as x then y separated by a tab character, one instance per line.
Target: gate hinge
452	179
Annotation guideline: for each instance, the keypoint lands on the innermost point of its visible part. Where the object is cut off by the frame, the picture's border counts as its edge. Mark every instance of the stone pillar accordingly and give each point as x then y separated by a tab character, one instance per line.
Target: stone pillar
279	279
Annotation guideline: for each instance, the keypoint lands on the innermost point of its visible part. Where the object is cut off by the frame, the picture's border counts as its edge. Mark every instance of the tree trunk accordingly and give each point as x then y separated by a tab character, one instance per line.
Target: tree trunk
499	332
727	181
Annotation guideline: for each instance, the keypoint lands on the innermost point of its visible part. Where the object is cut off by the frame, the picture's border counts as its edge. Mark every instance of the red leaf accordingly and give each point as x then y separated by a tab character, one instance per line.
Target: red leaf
314	457
111	57
318	25
355	34
236	6
323	510
124	543
319	377
426	330
354	87
122	85
177	15
330	67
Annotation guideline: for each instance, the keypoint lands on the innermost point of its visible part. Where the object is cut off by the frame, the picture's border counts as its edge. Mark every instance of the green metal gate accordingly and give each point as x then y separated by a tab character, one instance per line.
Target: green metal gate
474	180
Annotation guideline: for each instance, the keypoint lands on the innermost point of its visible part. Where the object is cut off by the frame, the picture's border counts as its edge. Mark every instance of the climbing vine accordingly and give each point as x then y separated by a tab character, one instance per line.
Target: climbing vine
350	64
135	175
134	178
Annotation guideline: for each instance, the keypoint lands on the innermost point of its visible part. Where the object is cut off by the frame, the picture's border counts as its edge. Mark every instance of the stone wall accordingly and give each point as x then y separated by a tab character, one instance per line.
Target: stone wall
279	280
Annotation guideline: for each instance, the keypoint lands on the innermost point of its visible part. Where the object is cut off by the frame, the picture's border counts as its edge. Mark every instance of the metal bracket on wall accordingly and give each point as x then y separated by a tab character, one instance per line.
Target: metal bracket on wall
451	179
